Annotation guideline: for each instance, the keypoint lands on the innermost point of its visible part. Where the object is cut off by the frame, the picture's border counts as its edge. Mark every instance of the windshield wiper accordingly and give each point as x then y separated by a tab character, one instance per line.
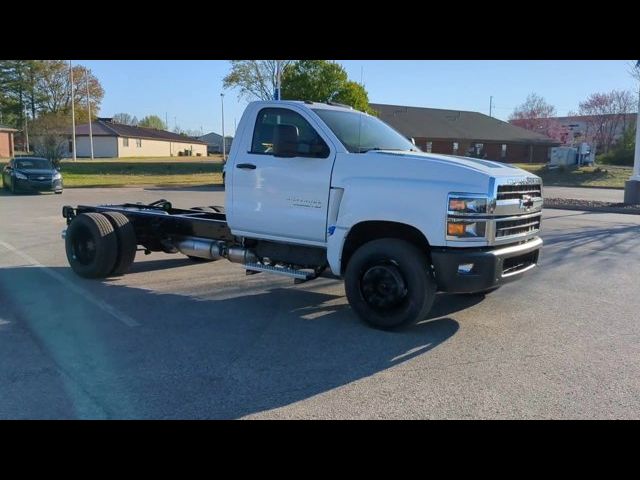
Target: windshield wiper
365	150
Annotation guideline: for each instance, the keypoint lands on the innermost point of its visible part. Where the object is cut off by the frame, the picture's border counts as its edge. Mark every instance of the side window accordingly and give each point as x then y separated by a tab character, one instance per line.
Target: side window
125	142
295	136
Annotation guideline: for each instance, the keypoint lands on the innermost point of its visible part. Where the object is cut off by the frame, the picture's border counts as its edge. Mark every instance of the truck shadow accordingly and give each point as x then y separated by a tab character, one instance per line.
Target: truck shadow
214	355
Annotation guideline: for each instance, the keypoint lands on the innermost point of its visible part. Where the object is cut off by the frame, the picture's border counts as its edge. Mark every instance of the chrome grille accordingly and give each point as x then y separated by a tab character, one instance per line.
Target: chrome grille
511	192
518	226
39	177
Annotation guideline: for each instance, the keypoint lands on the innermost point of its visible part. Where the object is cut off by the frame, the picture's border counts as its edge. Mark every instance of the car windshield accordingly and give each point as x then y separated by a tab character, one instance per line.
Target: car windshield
361	133
39	163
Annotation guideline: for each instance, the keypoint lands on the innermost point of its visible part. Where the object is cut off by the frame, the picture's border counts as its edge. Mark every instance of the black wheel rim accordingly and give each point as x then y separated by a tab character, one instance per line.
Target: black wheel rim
383	286
83	246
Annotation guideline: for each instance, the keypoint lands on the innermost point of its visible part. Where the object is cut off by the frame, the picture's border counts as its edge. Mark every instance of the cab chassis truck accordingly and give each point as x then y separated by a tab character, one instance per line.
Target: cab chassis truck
315	189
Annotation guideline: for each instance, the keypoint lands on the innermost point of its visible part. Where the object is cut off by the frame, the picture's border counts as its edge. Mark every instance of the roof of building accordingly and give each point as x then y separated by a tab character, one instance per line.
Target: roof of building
7	129
213	138
584	118
103	128
439	124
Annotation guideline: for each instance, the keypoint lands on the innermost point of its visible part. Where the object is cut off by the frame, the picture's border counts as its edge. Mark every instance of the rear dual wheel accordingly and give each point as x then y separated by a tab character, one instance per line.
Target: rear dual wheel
100	245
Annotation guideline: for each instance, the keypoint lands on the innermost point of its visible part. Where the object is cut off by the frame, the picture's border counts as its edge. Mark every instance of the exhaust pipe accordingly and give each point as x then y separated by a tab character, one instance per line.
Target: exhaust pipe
201	248
212	249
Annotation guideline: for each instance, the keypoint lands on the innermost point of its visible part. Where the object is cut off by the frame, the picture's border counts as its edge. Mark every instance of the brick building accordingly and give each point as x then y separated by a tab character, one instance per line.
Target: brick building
456	132
7	145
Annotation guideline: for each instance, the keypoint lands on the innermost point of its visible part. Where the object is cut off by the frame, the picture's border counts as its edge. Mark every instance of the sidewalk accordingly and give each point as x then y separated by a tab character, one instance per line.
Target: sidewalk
593	194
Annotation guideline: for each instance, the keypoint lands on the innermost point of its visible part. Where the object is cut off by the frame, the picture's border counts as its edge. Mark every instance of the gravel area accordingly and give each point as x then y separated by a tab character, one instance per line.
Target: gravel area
591	205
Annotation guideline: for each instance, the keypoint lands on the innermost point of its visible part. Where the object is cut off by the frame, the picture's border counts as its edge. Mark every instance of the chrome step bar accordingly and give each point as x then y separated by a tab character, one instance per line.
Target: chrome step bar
287	272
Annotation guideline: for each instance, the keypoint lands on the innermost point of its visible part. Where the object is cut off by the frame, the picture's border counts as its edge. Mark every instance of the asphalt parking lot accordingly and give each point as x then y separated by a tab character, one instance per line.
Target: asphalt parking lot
174	339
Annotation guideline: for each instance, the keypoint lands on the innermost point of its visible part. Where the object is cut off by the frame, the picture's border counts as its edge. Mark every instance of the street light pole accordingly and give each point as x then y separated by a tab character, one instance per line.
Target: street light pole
86	72
73	114
632	186
224	146
277	95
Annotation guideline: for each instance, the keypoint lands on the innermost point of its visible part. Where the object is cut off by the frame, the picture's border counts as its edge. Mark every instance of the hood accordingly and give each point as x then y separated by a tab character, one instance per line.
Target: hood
487	167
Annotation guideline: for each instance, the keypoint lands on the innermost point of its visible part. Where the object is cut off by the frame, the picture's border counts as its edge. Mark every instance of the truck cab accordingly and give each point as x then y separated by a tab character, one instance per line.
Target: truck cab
321	189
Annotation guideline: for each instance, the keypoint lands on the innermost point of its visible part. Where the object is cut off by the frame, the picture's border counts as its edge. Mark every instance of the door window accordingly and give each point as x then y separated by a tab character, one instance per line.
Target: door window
296	135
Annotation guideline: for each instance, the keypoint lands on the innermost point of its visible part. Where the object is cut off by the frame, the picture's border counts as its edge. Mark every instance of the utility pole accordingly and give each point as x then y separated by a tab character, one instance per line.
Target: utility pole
86	77
73	114
278	81
491	106
632	186
224	142
26	129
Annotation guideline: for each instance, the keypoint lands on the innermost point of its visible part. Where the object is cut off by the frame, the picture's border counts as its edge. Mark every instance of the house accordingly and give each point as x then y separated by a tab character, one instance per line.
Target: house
457	132
7	147
214	142
116	140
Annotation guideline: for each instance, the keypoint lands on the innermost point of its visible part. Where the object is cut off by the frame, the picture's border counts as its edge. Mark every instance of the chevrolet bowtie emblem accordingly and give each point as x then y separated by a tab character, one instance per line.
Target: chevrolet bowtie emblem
526	202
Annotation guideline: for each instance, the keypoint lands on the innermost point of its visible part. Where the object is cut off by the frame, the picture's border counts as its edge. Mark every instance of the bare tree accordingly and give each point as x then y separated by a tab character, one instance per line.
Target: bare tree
535	115
606	116
256	79
125	119
50	136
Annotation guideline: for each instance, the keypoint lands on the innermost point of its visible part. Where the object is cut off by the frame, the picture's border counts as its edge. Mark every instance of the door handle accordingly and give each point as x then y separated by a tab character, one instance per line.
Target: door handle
246	166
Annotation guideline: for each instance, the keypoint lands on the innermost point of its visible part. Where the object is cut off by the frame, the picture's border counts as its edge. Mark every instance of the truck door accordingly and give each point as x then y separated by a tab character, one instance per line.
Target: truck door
281	185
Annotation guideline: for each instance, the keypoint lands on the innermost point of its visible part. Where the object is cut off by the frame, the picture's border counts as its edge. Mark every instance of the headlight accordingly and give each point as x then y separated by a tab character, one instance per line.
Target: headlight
20	176
57	176
465	229
467	204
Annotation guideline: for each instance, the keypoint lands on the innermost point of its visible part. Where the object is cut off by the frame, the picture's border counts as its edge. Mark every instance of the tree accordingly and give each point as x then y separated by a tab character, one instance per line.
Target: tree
322	81
55	84
50	134
606	116
152	121
42	87
256	79
535	115
125	119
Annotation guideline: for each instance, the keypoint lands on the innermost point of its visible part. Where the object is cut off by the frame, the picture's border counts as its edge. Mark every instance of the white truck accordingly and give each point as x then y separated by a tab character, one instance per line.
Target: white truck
316	189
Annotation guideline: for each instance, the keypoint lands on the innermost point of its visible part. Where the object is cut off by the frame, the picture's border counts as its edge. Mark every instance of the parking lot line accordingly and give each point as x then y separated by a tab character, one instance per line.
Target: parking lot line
84	294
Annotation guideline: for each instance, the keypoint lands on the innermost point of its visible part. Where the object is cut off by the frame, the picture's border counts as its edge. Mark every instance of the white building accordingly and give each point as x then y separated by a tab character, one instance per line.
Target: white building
115	140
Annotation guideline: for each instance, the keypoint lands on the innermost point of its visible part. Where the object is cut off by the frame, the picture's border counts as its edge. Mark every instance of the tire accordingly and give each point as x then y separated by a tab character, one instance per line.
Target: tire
389	261
127	242
58	192
91	245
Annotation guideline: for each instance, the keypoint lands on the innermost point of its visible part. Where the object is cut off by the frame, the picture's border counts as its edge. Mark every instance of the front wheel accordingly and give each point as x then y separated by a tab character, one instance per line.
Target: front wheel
389	283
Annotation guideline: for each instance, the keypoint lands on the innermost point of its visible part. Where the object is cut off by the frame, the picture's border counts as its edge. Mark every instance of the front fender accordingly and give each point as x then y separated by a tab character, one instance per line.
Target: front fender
418	203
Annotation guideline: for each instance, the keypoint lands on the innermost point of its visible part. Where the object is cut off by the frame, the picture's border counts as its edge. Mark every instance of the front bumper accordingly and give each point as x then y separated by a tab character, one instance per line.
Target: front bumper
491	267
38	186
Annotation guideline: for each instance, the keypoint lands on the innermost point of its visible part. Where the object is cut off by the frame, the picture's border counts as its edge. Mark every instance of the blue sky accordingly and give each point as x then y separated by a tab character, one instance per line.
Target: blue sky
188	91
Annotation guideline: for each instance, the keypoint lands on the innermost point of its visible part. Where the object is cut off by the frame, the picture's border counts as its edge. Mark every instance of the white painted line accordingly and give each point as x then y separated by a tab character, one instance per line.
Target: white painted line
85	295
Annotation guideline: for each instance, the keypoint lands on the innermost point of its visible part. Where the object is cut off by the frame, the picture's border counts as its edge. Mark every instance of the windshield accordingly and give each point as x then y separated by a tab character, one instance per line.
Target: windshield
39	163
361	133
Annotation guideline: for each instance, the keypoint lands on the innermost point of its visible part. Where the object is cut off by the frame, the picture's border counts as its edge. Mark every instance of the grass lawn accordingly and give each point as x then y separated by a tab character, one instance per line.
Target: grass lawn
130	172
600	176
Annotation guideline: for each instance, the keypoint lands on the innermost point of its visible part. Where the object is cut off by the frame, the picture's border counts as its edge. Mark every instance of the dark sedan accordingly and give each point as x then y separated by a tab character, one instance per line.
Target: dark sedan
31	174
